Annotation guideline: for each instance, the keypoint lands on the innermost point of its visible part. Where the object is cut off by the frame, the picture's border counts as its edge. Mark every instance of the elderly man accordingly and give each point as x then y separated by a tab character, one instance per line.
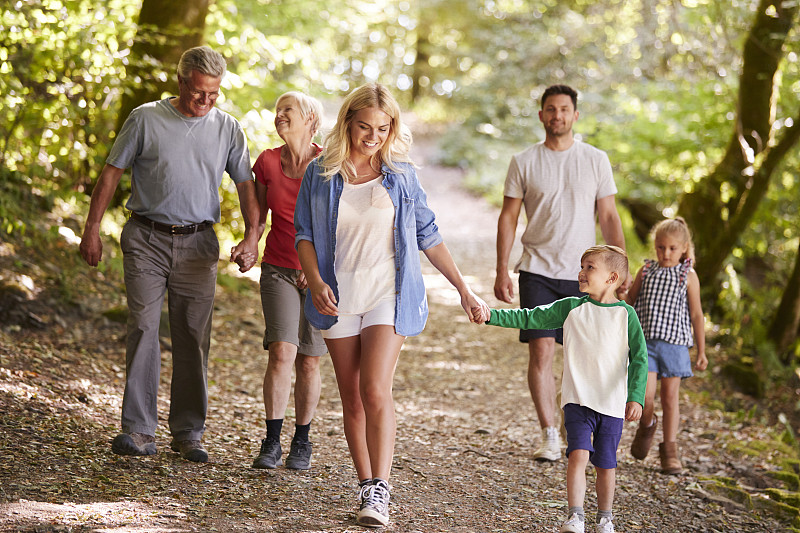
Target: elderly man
178	149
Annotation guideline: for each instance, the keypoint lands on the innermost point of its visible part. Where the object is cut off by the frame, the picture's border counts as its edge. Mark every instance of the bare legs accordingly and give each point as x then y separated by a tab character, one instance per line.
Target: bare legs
576	481
278	383
576	477
364	367
649	396
670	404
541	381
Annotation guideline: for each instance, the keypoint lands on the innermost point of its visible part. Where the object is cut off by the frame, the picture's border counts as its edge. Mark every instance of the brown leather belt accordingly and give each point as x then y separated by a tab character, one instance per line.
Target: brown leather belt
172	229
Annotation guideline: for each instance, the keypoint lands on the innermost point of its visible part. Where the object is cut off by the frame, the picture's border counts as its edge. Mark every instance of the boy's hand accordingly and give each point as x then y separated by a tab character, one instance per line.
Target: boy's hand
476	308
633	411
480	315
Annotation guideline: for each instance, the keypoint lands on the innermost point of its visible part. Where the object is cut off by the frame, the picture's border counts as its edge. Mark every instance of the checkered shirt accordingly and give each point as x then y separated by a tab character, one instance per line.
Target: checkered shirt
661	304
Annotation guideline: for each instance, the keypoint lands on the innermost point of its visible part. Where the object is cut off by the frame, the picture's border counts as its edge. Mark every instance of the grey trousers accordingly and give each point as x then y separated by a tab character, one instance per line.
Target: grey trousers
185	268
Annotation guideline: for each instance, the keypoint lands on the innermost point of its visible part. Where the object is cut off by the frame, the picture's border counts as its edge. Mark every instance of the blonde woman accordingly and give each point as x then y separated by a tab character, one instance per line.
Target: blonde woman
361	219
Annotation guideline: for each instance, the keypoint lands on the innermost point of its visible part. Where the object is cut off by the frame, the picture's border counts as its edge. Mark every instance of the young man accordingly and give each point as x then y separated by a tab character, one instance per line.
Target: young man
605	374
178	149
563	183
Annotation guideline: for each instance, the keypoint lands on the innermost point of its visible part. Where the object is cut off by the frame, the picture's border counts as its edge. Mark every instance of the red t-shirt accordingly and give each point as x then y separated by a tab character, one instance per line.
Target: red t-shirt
282	192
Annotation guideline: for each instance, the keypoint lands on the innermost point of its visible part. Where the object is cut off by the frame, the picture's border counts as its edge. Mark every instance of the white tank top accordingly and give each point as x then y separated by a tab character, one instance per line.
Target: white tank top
365	255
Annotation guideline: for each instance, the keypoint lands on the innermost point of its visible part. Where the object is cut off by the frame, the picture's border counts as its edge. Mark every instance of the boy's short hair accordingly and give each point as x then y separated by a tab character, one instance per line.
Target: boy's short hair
614	258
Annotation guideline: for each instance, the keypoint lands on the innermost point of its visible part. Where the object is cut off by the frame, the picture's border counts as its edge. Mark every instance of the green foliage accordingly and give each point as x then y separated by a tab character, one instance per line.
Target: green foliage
234	283
658	92
61	68
16	197
657	81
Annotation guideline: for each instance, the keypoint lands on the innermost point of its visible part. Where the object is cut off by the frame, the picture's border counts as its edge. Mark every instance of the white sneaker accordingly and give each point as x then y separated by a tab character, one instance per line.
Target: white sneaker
550	449
574	524
374	510
605	525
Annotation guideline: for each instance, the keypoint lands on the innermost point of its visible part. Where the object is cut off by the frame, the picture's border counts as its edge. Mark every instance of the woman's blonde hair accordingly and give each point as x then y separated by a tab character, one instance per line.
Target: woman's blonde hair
307	105
336	152
678	228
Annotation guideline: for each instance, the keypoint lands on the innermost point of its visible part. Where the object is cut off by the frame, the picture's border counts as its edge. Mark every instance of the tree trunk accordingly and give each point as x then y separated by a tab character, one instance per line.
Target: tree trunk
421	67
166	30
718	223
784	328
645	215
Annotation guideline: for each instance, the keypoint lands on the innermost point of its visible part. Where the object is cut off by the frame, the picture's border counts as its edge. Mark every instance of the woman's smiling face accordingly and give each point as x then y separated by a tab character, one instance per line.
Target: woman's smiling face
368	131
288	117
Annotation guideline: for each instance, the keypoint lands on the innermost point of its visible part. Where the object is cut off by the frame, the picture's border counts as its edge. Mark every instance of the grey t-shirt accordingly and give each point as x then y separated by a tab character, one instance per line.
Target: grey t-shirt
178	161
560	192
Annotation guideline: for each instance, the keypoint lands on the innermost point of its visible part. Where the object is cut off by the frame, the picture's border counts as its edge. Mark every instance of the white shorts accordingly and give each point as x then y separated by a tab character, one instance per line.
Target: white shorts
352	325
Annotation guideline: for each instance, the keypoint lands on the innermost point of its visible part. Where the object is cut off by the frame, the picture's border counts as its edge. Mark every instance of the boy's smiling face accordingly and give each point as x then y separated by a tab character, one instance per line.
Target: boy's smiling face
595	278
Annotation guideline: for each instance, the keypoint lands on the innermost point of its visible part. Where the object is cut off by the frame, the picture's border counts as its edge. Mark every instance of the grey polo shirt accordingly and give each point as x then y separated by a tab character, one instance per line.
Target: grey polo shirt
177	161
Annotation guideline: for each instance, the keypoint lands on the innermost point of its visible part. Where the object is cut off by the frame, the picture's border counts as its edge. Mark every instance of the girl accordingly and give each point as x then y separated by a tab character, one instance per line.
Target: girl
666	296
361	219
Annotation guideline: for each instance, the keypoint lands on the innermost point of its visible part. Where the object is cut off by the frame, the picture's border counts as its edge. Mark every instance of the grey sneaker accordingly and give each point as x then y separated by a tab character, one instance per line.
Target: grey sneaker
362	491
191	450
134	444
269	456
374	510
299	457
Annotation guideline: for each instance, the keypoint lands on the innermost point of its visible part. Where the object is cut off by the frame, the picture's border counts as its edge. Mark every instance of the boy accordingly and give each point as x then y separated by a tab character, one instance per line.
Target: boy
605	374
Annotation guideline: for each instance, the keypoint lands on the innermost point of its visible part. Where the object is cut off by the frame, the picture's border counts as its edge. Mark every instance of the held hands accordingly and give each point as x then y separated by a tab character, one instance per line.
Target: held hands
243	255
476	308
633	411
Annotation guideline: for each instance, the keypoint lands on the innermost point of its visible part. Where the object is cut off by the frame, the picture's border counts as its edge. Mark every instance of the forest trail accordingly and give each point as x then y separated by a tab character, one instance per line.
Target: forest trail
466	429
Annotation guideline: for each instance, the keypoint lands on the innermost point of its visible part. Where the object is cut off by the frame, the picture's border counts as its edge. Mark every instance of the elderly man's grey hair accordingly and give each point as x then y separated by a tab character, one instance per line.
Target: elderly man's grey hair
202	59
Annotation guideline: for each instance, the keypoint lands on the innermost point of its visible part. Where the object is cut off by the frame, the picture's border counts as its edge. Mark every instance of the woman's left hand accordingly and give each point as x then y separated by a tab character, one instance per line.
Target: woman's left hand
476	308
301	281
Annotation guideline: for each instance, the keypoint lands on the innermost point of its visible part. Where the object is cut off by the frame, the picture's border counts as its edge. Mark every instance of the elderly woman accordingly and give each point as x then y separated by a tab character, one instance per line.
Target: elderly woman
291	340
361	218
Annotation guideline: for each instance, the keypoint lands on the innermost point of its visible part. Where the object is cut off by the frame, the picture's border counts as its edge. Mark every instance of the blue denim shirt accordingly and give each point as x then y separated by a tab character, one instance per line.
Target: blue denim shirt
317	213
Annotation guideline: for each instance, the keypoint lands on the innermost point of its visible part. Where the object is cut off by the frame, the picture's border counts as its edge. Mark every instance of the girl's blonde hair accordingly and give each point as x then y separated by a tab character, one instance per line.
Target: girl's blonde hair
678	228
336	152
308	106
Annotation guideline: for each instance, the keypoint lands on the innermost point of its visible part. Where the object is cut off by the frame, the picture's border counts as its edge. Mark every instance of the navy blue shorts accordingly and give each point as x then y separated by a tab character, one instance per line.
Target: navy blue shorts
536	290
589	430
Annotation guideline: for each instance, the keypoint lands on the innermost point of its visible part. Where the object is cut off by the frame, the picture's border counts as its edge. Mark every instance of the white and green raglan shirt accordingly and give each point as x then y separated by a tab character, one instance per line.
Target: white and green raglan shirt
605	356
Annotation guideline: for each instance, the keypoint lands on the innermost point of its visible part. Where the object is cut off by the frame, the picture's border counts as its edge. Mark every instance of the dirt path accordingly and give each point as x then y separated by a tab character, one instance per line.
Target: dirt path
466	431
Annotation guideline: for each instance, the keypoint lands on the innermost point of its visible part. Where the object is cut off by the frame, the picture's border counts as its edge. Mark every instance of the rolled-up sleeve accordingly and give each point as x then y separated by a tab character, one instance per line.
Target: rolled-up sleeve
428	234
